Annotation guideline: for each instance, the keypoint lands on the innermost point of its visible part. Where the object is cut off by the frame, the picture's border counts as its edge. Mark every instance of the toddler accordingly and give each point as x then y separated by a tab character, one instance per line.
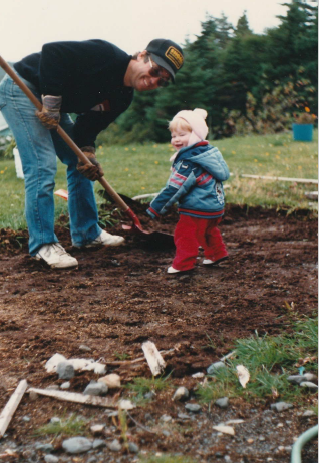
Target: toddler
195	183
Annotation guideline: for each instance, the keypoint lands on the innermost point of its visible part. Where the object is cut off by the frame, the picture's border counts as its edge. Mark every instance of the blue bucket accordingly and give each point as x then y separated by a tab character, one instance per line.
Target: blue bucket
302	132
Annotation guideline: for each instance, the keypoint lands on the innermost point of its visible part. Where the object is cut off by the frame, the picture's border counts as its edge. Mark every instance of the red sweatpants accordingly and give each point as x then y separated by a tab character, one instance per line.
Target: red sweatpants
192	232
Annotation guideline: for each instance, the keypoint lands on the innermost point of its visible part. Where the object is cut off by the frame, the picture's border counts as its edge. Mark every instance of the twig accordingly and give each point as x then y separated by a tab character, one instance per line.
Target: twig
12	405
139	359
139	425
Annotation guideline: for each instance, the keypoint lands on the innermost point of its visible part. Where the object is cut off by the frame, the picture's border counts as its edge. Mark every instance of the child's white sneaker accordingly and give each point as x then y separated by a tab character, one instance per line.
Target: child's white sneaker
173	270
105	239
55	256
216	262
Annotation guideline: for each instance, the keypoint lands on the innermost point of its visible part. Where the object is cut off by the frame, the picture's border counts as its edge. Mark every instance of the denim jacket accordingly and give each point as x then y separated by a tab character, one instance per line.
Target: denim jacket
195	183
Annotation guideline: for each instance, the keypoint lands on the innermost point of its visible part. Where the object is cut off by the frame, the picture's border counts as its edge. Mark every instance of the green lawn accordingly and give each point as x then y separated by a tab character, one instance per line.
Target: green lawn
139	169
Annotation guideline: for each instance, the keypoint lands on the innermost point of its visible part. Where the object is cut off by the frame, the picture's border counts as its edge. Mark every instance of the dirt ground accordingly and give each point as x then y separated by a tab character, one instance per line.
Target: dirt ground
120	297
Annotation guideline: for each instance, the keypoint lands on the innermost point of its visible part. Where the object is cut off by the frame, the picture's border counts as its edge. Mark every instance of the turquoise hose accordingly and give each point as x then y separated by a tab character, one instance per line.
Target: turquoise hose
300	442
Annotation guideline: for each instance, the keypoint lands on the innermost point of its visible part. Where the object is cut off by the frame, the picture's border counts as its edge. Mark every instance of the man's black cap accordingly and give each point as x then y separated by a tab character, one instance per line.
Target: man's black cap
167	54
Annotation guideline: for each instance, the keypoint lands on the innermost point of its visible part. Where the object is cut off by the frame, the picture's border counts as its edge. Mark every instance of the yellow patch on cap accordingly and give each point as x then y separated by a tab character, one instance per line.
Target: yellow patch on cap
175	56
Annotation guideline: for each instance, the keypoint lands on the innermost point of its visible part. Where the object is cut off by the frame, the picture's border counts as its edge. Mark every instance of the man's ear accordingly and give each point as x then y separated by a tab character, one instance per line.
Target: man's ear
142	55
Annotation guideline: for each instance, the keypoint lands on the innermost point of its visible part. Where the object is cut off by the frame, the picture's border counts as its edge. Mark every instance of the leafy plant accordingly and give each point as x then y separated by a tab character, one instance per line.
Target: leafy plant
140	386
72	426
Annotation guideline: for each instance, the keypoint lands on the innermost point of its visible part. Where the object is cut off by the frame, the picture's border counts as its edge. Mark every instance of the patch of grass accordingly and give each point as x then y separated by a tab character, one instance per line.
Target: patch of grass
167	459
120	356
141	386
270	360
72	426
139	169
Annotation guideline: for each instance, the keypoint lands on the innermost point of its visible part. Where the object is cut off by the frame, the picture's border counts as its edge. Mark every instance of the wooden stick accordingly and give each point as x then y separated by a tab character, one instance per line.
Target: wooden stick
139	359
12	405
75	397
154	359
284	179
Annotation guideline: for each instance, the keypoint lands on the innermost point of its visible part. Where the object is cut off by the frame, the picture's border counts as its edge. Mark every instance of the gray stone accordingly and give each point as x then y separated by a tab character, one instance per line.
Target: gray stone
44	447
95	389
98	443
281	406
223	402
133	448
183	416
51	459
149	395
309	413
65	370
310	377
166	433
115	446
55	420
296	379
182	393
77	445
309	385
166	418
26	419
213	369
193	408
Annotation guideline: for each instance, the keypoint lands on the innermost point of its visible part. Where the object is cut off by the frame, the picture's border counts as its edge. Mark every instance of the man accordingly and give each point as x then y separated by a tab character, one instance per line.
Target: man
95	80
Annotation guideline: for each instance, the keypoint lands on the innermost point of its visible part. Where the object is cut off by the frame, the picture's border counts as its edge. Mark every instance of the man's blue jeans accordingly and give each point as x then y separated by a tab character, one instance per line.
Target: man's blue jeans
38	148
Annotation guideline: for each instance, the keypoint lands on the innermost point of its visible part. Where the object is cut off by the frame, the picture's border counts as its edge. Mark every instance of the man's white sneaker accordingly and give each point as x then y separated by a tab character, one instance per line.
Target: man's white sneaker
55	256
172	270
105	239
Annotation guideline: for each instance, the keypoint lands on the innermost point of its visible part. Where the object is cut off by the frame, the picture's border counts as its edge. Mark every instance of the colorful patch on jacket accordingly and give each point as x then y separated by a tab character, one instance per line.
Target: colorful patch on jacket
220	193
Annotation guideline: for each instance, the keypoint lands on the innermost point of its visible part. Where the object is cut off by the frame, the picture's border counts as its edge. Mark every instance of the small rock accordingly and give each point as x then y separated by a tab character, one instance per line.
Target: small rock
115	446
223	402
84	348
65	370
309	385
250	441
166	418
182	393
198	375
55	420
125	404
183	416
96	389
33	395
65	385
26	419
133	448
281	406
149	395
77	445
261	438
212	369
309	413
45	447
51	459
98	443
97	428
113	381
193	408
166	433
310	377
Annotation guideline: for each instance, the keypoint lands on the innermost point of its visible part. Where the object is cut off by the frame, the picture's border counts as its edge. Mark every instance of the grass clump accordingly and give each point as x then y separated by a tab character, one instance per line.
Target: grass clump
141	386
72	426
270	360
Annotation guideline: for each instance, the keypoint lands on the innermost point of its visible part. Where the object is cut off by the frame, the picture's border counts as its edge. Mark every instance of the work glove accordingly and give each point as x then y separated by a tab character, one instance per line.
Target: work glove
50	113
91	172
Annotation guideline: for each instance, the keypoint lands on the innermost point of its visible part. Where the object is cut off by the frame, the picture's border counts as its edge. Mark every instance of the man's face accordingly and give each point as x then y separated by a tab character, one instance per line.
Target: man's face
146	75
180	138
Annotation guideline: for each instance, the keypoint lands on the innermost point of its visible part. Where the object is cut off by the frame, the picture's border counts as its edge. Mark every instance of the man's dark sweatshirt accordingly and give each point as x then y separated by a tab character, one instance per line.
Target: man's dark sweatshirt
89	76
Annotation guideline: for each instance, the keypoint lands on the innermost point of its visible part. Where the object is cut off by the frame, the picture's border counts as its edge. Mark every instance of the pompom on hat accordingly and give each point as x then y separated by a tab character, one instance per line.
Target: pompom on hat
196	120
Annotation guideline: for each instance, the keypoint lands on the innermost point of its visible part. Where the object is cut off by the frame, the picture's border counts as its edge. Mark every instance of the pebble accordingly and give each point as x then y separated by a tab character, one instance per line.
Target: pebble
182	393
309	413
26	419
97	428
149	395
133	448
84	348
166	433
77	445
309	385
183	416
213	369
223	402
198	375
44	447
98	443
193	408
166	418
115	446
281	406
65	370
113	381
65	385
51	459
96	389
55	420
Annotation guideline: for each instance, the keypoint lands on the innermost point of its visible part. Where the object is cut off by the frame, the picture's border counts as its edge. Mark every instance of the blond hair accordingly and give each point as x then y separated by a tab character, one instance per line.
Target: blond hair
179	124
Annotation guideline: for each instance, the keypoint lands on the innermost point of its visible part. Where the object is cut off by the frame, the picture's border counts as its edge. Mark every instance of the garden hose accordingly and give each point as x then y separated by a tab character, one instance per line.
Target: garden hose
300	443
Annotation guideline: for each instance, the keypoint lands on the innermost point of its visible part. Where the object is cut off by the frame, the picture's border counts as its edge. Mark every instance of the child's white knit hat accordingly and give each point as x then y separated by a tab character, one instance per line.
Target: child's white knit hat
196	120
